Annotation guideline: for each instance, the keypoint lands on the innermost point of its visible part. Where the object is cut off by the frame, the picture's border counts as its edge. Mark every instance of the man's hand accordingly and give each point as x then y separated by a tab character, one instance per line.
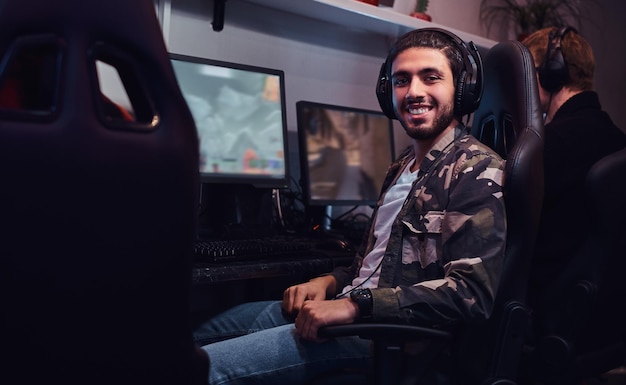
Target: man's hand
316	289
315	314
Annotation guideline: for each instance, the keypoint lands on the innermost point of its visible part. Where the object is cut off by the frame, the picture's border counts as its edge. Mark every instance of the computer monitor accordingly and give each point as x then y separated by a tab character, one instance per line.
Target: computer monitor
239	112
344	153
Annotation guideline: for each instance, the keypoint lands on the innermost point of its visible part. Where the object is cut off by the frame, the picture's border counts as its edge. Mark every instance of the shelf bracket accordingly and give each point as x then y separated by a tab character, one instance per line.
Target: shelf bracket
219	9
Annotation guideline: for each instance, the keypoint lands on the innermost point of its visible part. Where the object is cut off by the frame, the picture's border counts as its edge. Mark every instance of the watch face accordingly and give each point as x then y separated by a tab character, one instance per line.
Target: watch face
363	299
356	294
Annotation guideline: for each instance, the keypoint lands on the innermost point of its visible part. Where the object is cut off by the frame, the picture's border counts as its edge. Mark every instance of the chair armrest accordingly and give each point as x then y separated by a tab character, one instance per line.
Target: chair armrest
388	347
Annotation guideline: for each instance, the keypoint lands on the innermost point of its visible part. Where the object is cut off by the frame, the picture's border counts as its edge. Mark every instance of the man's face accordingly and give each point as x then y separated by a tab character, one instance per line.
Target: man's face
423	89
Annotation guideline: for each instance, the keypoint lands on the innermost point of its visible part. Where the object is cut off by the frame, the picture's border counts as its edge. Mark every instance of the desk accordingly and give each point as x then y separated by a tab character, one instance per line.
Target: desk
211	273
217	287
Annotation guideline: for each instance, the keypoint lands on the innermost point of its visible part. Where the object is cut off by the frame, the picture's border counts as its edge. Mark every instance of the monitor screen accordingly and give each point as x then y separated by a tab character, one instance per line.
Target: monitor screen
344	153
239	112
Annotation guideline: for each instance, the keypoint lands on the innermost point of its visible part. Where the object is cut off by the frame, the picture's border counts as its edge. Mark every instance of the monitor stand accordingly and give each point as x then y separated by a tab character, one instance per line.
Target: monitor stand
318	218
327	218
321	224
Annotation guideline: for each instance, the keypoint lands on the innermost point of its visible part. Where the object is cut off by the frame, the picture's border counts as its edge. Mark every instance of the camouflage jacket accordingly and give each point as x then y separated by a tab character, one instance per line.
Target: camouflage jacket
444	254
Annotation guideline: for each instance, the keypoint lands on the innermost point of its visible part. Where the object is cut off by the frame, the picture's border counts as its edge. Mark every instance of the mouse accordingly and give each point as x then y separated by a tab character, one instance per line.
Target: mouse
334	244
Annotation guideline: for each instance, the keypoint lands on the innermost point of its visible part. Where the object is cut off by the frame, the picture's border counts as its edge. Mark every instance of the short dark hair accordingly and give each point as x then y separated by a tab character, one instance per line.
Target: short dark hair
425	38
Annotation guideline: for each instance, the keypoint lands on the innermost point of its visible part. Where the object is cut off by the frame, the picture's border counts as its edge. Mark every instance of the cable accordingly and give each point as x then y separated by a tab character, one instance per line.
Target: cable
279	208
362	283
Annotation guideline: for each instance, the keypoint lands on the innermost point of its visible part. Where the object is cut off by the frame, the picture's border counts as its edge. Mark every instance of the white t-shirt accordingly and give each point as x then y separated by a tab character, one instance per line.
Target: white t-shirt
387	213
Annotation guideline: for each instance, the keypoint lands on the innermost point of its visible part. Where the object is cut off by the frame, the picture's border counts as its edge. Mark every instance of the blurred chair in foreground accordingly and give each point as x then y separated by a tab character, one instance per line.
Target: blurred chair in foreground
98	202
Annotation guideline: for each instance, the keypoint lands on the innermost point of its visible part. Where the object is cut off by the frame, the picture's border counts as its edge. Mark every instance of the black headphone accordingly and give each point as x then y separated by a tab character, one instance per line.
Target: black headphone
553	72
469	85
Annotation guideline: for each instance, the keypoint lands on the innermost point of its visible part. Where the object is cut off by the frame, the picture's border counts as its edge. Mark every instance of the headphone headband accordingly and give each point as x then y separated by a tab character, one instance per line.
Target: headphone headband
468	87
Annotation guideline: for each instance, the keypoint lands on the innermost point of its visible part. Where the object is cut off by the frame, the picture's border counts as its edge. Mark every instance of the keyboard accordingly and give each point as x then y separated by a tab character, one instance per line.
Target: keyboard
252	249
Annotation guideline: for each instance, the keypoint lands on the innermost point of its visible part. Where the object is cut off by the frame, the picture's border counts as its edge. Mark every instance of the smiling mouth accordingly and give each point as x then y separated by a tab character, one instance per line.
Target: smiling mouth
418	110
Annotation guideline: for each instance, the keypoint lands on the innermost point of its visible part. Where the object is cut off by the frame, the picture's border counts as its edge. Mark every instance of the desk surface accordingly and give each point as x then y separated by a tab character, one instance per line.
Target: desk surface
220	286
315	264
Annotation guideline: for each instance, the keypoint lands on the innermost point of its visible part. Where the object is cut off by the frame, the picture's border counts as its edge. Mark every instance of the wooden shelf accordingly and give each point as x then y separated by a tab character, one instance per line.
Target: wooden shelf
358	15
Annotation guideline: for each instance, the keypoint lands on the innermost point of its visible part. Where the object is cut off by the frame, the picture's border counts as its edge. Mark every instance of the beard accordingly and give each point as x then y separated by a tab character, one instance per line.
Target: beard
439	124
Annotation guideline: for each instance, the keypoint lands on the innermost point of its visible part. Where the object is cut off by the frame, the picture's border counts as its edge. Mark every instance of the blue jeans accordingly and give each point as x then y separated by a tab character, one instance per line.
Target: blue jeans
255	343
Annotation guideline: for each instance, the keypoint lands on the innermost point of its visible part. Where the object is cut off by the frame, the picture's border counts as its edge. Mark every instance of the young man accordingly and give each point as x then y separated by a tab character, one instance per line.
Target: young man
435	244
578	133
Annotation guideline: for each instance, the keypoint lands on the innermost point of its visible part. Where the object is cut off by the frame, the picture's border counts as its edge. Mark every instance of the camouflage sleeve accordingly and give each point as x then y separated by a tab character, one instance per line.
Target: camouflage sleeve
471	242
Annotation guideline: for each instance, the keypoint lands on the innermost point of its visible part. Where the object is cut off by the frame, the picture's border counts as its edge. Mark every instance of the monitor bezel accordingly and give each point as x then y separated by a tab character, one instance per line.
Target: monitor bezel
256	180
305	181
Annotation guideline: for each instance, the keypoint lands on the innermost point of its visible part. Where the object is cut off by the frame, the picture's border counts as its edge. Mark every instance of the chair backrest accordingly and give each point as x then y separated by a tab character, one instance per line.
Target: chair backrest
606	184
98	203
510	121
579	321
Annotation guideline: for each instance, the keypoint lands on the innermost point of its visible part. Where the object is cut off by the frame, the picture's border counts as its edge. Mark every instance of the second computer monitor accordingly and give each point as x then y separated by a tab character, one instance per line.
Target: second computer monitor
344	153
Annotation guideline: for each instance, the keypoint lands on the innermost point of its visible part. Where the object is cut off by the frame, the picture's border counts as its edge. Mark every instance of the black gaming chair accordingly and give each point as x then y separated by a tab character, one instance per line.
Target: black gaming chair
97	202
579	324
509	120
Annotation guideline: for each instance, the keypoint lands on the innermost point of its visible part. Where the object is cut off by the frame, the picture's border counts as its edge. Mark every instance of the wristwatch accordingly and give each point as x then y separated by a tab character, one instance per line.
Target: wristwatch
364	301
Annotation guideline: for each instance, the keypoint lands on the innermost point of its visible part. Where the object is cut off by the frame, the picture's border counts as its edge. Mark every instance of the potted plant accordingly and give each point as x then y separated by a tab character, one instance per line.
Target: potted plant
528	16
420	10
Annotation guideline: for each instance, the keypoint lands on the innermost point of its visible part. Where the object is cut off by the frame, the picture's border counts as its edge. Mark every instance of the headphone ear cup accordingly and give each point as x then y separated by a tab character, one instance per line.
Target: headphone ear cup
459	95
384	93
553	73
